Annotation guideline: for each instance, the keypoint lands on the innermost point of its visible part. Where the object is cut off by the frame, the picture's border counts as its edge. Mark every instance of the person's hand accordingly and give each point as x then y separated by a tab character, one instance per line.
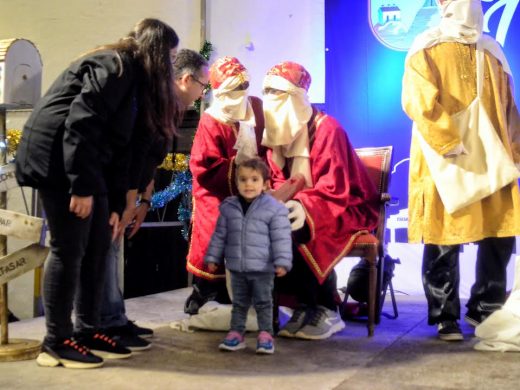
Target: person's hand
81	205
212	267
116	229
296	214
140	215
280	271
128	215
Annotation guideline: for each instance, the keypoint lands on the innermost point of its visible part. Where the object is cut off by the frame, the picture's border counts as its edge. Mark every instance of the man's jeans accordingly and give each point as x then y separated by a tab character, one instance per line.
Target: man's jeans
256	288
113	313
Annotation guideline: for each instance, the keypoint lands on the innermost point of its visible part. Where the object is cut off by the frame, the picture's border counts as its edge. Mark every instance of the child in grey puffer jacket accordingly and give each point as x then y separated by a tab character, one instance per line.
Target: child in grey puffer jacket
253	234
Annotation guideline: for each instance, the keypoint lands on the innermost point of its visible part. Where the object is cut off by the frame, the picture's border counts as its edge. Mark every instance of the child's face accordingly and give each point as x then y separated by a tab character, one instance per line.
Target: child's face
250	183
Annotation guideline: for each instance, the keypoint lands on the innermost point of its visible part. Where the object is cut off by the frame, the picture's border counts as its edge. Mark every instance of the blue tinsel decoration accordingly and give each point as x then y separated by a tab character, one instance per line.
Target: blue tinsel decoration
180	184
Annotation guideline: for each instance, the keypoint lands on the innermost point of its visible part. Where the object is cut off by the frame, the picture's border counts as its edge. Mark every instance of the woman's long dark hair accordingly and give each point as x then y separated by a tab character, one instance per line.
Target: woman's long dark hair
159	106
150	43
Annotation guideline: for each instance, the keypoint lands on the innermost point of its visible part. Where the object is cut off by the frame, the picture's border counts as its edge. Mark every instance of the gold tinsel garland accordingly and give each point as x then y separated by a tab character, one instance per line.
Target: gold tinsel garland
177	162
13	140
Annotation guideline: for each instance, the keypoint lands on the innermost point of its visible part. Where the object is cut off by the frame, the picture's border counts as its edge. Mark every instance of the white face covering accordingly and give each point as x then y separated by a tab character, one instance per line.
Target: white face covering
234	104
282	122
230	106
462	20
286	133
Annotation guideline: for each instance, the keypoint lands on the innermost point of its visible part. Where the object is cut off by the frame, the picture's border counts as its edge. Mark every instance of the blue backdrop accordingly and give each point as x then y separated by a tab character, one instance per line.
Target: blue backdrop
363	80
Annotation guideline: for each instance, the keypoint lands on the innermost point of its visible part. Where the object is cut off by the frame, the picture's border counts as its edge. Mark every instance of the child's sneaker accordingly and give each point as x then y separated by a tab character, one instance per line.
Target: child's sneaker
105	347
69	354
265	343
234	341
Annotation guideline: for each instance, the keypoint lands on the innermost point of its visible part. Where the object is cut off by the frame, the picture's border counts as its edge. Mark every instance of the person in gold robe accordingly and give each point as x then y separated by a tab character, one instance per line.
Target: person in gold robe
440	81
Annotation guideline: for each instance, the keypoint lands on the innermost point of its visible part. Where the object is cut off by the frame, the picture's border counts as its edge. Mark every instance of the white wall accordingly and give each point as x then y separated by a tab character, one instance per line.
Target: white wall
63	29
262	33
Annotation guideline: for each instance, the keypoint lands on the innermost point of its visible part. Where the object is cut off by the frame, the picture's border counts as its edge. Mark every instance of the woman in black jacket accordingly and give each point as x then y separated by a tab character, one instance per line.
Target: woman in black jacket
77	148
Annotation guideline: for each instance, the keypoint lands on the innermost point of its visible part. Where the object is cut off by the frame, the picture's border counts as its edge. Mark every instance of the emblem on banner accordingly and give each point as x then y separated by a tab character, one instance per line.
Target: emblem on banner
396	23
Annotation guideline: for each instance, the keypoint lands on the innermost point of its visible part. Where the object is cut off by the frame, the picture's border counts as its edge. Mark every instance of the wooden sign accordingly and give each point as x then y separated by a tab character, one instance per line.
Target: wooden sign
21	261
7	177
19	225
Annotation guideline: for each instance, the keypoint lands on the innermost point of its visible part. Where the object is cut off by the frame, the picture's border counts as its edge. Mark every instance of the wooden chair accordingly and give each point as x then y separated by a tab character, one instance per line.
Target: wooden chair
377	161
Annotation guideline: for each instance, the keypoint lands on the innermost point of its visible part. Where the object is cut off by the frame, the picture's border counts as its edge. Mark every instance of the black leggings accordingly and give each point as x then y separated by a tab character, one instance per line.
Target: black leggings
75	267
302	283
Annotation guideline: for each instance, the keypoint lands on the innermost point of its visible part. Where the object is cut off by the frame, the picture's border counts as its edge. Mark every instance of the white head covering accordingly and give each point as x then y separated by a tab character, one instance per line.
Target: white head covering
461	21
286	116
230	106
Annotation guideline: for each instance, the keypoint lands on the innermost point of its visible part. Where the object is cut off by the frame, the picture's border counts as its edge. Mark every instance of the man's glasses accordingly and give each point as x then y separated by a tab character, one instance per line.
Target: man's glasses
205	87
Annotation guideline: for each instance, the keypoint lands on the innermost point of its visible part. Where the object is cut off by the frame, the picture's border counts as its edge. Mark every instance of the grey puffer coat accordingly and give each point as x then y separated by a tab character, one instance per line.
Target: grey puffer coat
258	241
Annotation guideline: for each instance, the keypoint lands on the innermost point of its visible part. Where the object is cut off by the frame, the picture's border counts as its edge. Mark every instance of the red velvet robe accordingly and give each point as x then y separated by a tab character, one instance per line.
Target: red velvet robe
213	169
343	202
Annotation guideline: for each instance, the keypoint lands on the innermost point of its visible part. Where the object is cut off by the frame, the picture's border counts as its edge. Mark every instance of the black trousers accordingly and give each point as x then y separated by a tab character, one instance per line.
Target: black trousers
302	283
74	272
441	276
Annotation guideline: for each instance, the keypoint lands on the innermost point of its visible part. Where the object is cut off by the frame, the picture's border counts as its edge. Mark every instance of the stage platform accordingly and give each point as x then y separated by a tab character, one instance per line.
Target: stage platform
404	354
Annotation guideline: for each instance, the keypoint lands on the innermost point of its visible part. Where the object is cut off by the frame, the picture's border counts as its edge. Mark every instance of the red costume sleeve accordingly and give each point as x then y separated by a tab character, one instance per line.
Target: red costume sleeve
212	155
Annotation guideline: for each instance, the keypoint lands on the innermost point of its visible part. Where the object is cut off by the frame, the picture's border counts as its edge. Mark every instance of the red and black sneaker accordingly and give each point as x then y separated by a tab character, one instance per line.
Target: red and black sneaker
128	339
69	354
102	345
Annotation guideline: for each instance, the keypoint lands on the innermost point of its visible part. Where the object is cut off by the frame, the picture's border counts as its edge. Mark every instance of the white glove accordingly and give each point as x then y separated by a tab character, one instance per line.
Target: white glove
296	214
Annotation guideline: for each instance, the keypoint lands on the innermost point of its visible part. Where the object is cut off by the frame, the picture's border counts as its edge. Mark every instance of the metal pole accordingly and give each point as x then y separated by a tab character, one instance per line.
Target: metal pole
3	240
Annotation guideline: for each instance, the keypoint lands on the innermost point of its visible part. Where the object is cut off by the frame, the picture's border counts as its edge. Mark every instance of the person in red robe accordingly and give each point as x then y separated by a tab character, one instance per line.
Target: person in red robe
338	202
229	131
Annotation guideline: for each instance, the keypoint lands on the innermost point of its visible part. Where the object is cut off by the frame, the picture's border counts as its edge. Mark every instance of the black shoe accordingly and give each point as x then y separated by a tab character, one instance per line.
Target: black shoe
102	345
130	341
198	298
12	317
449	331
70	354
138	330
474	318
